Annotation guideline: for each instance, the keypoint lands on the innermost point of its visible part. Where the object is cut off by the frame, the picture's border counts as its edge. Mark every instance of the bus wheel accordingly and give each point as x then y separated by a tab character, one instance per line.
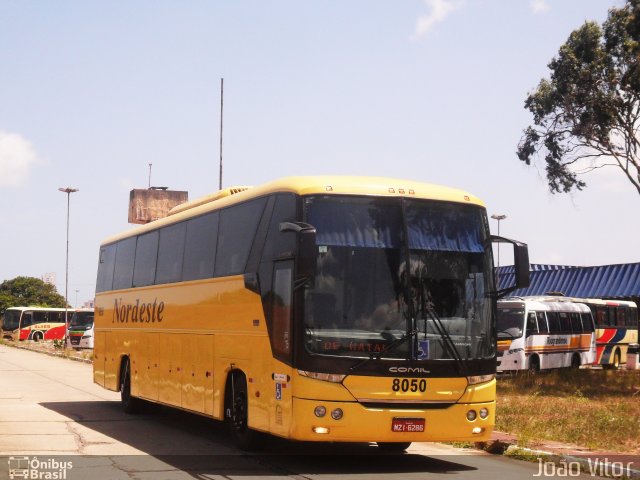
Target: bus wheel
616	360
37	336
534	364
129	404
575	361
237	413
396	447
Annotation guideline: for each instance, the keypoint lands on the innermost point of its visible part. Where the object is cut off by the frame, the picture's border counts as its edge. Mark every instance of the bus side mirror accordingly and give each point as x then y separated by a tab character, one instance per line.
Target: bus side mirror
306	260
521	264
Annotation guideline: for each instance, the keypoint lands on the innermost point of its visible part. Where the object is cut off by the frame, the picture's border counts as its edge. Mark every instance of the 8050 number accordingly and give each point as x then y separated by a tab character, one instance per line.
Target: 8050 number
406	385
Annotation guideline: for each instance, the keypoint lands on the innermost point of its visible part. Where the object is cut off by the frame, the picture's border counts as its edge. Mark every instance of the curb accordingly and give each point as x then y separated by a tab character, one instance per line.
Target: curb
51	354
594	464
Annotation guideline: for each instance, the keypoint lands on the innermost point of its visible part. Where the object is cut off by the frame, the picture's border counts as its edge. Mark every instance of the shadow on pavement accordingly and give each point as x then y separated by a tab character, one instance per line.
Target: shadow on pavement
202	446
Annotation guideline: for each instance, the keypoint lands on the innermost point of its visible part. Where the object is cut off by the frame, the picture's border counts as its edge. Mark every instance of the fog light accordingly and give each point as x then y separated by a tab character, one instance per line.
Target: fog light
484	413
320	430
477	430
320	411
337	414
471	415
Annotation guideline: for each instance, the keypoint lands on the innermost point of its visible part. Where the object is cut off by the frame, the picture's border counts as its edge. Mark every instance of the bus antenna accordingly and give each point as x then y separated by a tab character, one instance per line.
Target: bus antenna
221	111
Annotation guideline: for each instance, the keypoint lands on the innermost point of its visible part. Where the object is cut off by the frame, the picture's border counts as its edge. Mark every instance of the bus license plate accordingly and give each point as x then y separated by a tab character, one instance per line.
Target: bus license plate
407	425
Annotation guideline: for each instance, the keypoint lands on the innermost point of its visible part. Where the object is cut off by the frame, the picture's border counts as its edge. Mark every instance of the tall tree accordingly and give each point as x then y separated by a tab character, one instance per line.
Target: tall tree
28	292
587	114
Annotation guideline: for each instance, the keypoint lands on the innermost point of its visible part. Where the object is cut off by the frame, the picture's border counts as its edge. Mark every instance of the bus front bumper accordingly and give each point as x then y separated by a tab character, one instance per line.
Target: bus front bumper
363	424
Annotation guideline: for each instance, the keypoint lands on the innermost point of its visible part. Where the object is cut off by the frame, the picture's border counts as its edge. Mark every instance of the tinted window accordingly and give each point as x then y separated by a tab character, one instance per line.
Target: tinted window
27	319
542	323
106	263
554	322
238	226
145	264
532	324
565	322
123	271
576	322
279	243
587	322
200	247
601	317
282	295
170	253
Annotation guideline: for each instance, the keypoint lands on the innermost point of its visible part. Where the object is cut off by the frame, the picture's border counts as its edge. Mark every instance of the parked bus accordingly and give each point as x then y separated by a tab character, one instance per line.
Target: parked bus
616	327
34	323
336	309
537	335
81	328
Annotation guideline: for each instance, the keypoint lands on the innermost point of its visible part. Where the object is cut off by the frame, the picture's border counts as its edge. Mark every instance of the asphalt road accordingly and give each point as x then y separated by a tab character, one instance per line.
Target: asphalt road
55	421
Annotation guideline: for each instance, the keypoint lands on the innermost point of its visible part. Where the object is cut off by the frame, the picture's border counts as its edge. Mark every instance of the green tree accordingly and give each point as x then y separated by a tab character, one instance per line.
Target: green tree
586	115
28	292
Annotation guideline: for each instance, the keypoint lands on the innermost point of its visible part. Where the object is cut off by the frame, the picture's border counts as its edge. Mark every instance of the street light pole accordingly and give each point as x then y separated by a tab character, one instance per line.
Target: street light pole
68	191
498	218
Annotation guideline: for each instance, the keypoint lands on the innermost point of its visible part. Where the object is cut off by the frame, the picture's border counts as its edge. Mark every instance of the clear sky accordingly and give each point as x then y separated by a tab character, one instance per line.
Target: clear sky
432	90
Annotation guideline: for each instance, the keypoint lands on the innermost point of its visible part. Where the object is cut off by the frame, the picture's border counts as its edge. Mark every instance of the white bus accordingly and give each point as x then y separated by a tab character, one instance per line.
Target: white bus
81	328
537	335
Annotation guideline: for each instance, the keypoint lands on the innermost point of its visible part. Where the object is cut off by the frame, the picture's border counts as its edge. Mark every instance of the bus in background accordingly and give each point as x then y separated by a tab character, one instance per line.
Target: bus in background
336	309
617	327
34	323
538	335
81	328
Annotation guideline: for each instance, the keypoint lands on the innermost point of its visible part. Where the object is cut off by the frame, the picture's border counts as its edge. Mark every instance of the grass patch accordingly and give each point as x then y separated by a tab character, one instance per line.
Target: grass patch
598	409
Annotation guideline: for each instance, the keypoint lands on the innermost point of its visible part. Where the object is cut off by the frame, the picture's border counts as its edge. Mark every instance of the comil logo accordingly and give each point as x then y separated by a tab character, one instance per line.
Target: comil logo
37	469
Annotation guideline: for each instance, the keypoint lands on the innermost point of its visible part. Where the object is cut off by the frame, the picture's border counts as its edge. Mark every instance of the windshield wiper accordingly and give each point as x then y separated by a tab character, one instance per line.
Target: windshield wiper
447	341
390	346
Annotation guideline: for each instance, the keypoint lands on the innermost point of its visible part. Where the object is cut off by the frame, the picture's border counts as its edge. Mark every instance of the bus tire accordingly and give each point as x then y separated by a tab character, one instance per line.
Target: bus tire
575	361
616	360
37	336
534	364
237	413
395	447
129	403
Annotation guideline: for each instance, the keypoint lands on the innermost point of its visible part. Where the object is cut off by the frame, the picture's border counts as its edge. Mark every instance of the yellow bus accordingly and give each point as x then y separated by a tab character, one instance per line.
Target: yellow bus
341	309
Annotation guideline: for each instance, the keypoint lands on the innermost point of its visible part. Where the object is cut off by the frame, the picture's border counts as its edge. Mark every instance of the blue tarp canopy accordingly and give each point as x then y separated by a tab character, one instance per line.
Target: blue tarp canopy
606	281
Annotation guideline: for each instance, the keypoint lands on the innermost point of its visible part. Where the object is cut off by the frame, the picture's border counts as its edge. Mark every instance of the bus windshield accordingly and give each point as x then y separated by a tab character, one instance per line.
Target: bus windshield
393	273
510	322
11	320
81	320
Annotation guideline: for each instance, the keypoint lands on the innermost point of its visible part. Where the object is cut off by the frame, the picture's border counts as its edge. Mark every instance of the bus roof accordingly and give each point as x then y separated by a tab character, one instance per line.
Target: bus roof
48	309
318	185
540	305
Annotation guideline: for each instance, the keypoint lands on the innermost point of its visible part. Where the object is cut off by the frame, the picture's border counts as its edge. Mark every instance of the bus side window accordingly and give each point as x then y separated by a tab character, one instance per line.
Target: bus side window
236	231
200	247
170	253
123	269
542	323
576	323
105	268
565	322
554	322
282	301
621	317
27	319
144	268
40	317
587	322
532	324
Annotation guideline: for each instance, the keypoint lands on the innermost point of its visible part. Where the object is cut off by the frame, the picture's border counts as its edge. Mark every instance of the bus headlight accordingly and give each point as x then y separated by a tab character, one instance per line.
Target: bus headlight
326	377
475	379
320	411
337	414
484	413
471	415
516	350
